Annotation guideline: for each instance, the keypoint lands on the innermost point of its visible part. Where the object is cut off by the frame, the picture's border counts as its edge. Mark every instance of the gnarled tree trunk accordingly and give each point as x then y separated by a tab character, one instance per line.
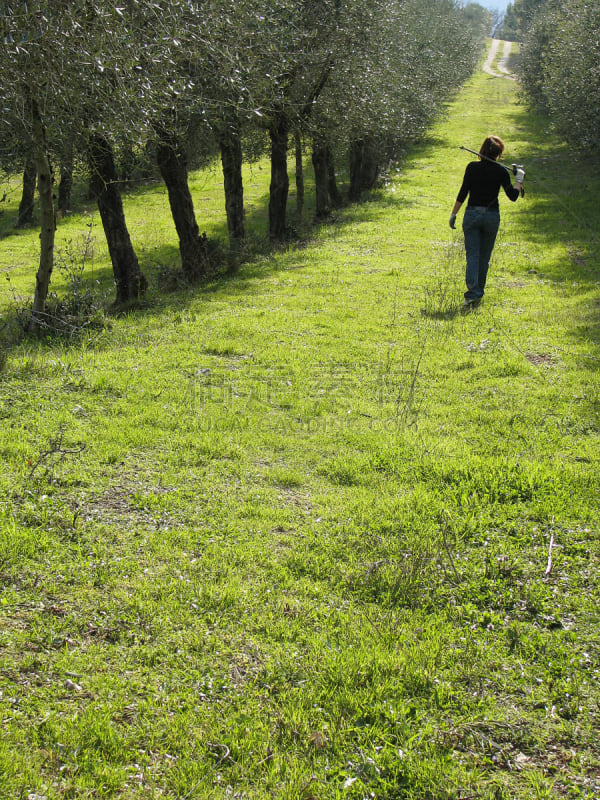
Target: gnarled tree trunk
130	280
173	168
320	166
356	154
231	159
334	193
364	167
328	195
369	168
278	190
48	222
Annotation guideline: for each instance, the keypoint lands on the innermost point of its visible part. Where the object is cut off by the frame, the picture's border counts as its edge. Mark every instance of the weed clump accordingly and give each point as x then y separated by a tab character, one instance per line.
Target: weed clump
83	304
441	293
81	307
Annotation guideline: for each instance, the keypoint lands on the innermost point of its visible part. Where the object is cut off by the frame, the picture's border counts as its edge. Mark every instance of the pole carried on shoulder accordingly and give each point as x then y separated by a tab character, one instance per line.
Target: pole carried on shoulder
513	167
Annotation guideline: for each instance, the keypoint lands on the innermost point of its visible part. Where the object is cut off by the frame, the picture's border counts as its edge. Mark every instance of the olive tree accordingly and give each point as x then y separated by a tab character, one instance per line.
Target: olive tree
519	16
560	69
303	40
217	108
30	57
534	55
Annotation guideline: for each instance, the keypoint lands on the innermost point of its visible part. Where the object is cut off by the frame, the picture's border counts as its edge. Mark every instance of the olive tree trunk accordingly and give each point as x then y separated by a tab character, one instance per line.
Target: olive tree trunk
356	151
279	188
299	179
48	222
364	167
334	193
230	145
369	168
320	166
172	164
129	279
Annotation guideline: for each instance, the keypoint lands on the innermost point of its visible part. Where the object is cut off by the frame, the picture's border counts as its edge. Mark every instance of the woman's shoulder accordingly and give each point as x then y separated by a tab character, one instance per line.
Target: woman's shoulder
492	168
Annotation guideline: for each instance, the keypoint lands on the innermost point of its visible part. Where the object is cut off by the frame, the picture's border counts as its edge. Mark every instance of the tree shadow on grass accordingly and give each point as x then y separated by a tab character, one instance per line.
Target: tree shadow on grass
561	208
236	274
560	205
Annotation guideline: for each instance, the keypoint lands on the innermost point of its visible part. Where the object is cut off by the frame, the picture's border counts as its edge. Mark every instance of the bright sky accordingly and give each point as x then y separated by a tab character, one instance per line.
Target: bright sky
493	5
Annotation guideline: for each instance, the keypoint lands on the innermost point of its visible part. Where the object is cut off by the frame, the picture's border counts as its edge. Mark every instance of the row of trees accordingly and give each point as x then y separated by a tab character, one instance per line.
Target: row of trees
83	80
518	17
560	68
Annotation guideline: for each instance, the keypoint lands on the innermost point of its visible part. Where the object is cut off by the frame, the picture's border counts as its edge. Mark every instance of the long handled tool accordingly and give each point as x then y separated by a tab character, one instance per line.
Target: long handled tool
513	167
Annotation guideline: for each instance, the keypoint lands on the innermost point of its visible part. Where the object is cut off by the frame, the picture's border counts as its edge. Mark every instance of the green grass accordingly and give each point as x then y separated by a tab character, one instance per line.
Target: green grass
286	535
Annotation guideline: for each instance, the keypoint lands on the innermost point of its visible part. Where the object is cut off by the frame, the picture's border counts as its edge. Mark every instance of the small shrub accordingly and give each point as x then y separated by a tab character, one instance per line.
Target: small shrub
83	304
443	292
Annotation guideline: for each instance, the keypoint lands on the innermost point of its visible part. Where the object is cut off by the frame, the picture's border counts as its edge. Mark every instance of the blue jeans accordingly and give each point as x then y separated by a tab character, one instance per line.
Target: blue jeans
480	227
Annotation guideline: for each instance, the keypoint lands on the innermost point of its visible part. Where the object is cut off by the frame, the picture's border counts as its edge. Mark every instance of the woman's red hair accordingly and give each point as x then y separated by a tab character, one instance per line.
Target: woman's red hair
493	147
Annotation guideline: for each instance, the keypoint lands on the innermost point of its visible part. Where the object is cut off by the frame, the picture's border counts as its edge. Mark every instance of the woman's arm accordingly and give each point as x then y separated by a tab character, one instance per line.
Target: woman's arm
454	212
512	192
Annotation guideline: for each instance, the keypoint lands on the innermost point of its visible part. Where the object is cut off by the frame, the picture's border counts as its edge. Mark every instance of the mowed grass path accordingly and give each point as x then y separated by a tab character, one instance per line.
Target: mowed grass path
288	534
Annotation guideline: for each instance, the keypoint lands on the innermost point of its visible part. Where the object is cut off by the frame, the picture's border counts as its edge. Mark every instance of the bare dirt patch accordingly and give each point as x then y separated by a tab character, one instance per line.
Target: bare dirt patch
541	359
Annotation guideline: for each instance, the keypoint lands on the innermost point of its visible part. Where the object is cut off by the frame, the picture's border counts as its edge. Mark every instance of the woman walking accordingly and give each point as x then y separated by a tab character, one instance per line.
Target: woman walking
481	183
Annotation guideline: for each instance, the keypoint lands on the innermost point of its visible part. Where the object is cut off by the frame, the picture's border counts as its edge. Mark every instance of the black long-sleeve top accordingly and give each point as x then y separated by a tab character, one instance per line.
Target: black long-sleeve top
482	183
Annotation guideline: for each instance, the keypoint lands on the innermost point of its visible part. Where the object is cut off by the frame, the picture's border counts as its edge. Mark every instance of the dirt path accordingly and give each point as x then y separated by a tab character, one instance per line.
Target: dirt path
501	71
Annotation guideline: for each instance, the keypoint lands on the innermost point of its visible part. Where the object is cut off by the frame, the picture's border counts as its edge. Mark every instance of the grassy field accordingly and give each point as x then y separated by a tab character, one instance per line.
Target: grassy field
287	535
